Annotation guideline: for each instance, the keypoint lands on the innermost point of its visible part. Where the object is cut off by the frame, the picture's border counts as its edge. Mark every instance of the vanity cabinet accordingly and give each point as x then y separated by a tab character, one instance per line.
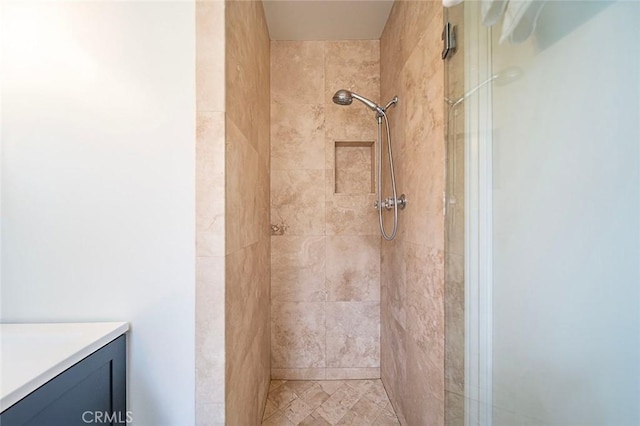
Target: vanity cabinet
92	391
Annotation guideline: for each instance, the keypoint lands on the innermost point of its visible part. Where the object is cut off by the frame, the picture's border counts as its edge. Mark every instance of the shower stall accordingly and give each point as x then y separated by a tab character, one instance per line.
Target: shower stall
505	293
346	302
542	286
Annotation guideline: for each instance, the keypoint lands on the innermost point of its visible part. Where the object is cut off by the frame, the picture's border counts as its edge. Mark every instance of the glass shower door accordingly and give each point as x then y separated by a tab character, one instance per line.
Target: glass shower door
565	218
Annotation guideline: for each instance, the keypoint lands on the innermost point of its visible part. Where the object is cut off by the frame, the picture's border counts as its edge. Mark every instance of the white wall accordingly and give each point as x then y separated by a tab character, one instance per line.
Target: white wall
98	187
566	306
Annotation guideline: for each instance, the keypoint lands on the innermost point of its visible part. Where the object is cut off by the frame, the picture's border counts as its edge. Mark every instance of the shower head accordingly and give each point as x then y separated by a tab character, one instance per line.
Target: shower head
342	97
345	97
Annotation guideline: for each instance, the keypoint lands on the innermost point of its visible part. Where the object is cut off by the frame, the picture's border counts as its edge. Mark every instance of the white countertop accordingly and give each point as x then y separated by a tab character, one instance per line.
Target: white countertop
33	354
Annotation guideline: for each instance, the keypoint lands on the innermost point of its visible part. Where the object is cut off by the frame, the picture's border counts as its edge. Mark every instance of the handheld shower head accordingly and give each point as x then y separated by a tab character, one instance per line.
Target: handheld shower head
342	97
345	97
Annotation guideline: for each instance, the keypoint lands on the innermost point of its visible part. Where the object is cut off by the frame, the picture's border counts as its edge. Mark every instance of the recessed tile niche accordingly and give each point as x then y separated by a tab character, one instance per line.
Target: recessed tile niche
354	167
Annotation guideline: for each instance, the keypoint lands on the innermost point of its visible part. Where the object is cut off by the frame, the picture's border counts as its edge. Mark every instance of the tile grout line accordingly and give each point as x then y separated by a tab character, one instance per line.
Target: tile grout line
324	126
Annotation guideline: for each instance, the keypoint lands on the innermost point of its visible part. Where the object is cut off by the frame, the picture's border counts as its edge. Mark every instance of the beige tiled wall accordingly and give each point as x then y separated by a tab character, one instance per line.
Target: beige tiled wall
210	214
412	266
325	246
232	209
247	236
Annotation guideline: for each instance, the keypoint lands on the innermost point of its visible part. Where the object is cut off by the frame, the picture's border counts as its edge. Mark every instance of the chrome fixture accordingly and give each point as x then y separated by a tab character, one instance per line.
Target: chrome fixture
389	203
345	97
449	41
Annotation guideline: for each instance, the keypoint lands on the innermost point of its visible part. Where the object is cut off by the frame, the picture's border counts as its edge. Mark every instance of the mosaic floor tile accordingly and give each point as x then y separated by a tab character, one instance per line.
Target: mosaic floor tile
328	402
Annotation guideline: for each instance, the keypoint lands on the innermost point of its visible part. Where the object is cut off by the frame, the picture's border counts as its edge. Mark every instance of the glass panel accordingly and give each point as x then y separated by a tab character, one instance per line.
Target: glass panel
566	218
454	270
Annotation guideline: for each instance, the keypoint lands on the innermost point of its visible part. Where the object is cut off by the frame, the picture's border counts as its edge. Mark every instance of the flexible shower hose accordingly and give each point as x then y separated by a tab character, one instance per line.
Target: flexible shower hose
382	114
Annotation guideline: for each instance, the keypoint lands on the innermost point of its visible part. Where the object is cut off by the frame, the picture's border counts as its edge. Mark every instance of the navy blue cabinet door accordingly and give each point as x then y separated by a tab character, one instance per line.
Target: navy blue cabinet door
93	391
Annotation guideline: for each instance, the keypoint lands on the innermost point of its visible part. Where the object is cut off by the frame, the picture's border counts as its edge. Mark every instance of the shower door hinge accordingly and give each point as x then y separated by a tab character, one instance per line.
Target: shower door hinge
449	40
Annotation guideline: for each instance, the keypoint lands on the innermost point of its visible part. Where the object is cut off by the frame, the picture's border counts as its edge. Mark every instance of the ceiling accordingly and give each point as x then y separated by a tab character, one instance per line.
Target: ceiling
326	19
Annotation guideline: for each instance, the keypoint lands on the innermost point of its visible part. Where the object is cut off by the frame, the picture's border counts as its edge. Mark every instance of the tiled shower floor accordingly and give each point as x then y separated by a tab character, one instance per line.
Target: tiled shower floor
328	402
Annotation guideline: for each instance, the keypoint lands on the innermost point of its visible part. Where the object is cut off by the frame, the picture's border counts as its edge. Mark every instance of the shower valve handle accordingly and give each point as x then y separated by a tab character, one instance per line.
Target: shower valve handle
389	202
